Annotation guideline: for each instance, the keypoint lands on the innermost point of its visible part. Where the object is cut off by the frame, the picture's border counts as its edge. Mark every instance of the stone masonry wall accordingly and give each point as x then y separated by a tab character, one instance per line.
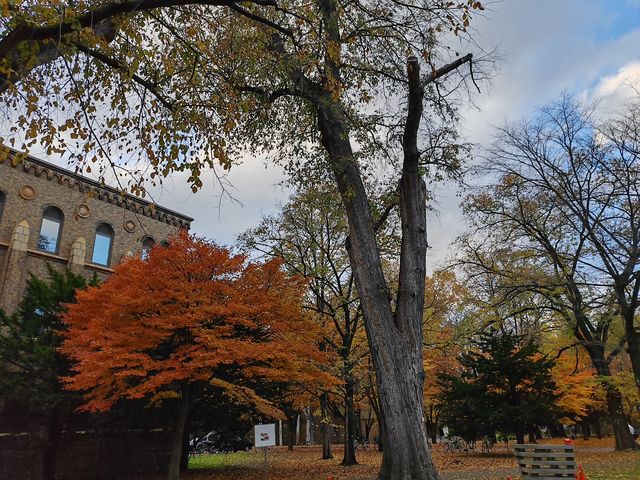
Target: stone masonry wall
32	186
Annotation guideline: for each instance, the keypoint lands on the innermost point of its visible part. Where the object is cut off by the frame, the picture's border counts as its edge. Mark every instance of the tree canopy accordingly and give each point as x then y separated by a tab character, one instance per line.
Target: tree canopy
191	312
190	315
190	85
31	366
503	384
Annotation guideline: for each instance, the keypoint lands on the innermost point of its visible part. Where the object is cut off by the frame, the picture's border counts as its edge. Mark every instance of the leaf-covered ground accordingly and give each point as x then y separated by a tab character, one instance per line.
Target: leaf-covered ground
304	463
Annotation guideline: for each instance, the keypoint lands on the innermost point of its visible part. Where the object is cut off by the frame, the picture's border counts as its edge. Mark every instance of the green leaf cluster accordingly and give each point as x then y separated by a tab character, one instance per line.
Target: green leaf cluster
30	364
504	385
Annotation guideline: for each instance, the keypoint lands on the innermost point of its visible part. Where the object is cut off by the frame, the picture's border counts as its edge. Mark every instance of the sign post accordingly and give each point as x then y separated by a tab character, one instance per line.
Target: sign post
265	438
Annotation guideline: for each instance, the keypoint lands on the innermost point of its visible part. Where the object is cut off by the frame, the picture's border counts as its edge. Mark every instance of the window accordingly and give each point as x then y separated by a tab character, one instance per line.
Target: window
147	245
2	201
51	230
102	245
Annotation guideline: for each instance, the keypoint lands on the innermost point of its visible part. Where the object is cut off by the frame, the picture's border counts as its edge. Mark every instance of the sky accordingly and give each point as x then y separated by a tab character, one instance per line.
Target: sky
588	48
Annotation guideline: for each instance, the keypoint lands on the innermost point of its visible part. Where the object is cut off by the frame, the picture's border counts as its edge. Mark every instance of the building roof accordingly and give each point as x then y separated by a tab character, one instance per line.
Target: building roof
98	190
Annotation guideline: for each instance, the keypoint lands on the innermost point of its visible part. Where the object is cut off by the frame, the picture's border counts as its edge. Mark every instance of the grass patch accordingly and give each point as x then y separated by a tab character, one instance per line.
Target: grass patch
615	471
219	460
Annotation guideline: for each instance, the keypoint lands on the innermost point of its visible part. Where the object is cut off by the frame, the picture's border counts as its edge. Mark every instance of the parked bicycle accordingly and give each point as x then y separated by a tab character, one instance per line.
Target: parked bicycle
362	445
487	445
455	445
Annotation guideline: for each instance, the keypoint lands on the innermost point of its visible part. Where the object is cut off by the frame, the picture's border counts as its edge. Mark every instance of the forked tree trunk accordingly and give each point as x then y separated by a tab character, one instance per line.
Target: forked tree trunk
349	457
633	343
395	341
178	434
621	433
326	428
292	423
628	308
368	424
595	415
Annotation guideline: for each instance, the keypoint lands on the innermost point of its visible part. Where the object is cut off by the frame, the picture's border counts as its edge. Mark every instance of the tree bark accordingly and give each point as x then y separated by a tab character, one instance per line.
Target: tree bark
178	434
368	424
395	341
633	346
291	430
50	453
184	457
596	421
325	427
375	404
349	457
621	433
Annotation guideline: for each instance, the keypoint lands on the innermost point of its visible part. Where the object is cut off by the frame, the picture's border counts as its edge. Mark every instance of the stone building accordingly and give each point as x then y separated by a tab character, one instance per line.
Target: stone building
50	215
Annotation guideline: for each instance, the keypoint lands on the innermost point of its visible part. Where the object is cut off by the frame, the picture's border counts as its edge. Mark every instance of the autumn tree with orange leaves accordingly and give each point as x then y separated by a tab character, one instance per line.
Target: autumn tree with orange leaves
190	316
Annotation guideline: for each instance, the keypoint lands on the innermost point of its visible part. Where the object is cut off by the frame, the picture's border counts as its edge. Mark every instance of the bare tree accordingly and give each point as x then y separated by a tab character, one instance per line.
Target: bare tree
309	235
555	199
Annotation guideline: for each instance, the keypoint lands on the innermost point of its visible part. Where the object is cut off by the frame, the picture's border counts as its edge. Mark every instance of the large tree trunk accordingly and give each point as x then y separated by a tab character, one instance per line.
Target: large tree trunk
50	453
349	457
178	434
292	423
184	457
633	347
621	433
628	309
326	428
395	341
595	415
368	424
375	404
584	428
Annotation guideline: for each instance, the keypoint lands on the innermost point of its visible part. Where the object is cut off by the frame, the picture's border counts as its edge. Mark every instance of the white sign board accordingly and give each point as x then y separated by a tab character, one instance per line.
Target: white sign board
265	435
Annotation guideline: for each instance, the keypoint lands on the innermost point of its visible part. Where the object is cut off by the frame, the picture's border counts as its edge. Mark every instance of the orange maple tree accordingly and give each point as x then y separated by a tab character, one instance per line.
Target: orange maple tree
191	313
576	385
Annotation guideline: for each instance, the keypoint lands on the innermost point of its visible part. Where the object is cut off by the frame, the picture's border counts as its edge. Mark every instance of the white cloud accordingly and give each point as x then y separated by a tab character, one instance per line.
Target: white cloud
549	47
256	191
612	92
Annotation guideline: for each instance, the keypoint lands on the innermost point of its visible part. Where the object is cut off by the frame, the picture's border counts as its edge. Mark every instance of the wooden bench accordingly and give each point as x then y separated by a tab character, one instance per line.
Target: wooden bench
546	462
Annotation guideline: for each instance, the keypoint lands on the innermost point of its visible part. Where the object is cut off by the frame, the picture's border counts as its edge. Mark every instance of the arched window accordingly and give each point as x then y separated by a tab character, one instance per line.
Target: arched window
2	201
51	230
102	245
147	245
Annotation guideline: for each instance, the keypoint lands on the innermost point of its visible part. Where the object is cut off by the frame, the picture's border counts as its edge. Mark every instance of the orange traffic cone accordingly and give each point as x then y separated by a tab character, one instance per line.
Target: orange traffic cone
580	474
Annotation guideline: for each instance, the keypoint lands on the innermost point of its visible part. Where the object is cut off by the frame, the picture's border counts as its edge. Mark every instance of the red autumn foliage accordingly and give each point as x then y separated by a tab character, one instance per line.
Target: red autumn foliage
190	312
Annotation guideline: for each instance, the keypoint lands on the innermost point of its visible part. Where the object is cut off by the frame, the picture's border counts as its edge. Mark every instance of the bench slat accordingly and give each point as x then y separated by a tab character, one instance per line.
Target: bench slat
541	462
529	477
539	446
536	463
543	455
546	470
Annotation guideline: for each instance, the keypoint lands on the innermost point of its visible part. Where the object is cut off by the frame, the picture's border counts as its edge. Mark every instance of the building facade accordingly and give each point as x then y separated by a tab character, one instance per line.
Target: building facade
49	215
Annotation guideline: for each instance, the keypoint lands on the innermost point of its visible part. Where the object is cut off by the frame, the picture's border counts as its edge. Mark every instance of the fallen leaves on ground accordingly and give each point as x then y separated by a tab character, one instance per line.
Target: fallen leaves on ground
304	463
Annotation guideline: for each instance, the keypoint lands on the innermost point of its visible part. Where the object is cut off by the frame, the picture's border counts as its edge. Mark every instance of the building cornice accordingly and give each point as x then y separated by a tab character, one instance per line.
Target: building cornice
43	169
